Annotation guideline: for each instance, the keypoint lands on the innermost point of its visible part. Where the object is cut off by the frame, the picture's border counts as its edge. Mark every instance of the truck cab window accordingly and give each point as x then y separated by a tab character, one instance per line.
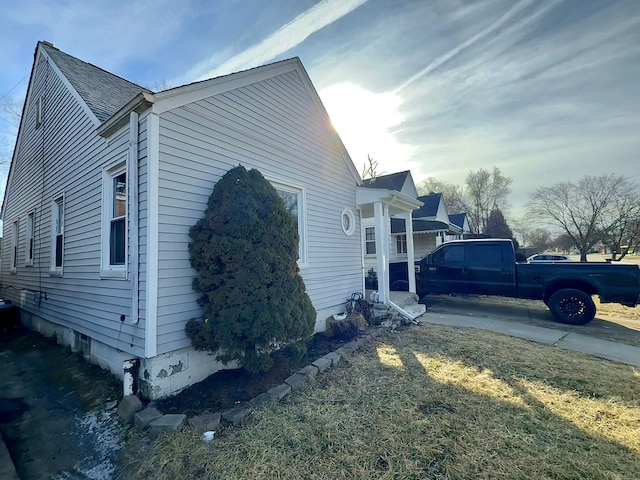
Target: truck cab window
451	254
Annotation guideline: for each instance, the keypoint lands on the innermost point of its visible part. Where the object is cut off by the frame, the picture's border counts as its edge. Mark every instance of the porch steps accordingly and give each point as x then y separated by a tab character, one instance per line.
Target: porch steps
407	304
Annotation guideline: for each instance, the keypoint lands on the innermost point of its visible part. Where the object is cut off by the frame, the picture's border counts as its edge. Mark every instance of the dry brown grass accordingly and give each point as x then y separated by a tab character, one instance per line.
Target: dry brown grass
432	402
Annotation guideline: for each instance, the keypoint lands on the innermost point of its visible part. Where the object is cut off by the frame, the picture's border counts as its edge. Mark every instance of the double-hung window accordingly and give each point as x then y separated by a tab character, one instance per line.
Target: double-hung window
57	236
401	243
114	222
294	201
30	244
370	240
14	247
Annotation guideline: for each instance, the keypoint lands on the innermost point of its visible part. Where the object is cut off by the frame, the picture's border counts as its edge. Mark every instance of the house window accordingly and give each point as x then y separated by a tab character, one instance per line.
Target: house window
294	202
28	254
14	247
38	112
370	240
57	235
348	222
401	244
114	227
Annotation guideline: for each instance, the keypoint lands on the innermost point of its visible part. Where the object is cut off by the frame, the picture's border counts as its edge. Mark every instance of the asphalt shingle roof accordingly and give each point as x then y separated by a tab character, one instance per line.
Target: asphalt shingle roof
430	207
393	181
398	225
103	92
458	219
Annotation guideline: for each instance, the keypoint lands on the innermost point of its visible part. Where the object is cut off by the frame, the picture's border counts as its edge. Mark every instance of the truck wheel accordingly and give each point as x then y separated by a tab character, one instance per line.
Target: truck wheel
572	306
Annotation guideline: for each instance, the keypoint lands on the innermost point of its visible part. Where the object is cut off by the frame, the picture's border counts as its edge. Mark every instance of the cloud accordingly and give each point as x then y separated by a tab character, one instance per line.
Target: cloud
285	38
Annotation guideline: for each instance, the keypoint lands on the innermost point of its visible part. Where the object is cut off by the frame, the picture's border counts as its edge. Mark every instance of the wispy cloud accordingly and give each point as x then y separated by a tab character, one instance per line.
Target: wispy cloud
514	12
285	38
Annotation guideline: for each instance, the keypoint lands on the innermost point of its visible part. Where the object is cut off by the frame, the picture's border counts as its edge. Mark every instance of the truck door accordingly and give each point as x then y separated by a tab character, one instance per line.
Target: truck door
447	272
491	269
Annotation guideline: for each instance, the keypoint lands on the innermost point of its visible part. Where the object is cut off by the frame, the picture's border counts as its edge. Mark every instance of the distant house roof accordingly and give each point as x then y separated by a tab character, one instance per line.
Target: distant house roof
394	181
430	207
458	219
103	92
419	226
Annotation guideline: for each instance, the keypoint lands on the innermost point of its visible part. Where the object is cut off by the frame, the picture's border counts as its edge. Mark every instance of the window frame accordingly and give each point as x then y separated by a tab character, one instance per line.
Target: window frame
38	112
108	270
58	211
300	192
30	239
15	226
369	232
401	244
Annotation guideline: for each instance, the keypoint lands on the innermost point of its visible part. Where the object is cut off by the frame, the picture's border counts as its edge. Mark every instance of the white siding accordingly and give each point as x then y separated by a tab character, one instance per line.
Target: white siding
65	156
274	126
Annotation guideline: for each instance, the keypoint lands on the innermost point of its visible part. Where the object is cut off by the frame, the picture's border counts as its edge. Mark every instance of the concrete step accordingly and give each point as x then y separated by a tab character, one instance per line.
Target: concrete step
408	304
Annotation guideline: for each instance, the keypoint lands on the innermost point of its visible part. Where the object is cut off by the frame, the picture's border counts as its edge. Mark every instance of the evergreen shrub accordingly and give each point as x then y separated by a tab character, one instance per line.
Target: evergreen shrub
245	252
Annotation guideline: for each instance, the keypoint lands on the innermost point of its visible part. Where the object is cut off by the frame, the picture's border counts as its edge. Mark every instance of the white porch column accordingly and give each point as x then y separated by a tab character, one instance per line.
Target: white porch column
382	251
411	258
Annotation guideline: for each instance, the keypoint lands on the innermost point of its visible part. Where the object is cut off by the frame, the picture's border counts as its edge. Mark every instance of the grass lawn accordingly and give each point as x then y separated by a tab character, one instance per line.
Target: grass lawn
430	402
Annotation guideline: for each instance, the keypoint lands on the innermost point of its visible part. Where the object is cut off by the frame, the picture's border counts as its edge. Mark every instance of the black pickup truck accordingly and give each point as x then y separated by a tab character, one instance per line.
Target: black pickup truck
488	267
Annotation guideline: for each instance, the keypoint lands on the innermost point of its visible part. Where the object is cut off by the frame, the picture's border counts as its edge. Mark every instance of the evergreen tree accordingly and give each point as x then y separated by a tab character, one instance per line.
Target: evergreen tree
245	251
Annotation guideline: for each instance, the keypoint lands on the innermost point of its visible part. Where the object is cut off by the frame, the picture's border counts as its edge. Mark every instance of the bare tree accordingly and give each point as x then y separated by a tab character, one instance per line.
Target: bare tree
10	113
486	191
453	195
540	239
620	222
582	210
370	170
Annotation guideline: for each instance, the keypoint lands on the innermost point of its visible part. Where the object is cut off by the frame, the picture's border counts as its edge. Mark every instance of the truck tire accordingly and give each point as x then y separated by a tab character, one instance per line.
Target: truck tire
572	306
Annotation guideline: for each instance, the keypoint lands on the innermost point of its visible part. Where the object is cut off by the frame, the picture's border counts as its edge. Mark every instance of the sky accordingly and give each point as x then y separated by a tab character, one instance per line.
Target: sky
545	90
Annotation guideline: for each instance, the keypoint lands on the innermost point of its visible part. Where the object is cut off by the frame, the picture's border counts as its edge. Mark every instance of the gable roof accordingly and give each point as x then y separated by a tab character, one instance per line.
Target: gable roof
393	181
458	219
430	207
103	92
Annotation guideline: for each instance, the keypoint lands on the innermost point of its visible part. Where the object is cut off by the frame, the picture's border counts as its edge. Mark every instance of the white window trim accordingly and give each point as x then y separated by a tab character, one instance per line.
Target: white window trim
401	241
38	112
30	237
57	271
364	235
348	213
108	271
303	260
13	266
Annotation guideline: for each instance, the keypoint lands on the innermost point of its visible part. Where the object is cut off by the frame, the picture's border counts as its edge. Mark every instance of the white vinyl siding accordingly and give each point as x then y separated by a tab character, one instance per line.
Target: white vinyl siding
67	149
273	126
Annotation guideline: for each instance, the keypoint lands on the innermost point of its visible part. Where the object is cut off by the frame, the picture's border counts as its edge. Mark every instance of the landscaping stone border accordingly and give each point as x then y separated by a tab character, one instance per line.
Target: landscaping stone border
149	418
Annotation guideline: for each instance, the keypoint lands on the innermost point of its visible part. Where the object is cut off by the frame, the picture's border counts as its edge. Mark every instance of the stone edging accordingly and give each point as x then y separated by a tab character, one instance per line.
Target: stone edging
131	411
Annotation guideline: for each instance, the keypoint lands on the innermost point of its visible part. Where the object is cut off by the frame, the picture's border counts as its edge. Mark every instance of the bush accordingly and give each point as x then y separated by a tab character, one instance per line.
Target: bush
245	251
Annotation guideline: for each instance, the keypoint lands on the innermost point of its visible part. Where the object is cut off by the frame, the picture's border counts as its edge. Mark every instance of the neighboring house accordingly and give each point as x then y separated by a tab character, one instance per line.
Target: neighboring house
383	200
460	221
107	178
431	225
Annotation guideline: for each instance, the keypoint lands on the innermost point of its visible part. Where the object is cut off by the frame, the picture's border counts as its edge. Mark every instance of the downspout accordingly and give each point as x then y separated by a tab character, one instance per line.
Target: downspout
132	182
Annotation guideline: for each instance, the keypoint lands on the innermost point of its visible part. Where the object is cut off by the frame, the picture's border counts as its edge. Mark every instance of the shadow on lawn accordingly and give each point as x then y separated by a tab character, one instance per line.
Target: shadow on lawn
535	437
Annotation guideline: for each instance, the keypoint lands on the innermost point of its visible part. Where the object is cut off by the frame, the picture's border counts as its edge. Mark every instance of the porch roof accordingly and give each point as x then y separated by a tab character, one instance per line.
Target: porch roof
396	201
423	226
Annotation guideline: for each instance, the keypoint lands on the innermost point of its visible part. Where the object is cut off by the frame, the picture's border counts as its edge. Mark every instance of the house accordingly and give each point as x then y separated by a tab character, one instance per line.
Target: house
430	225
460	221
383	200
107	177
